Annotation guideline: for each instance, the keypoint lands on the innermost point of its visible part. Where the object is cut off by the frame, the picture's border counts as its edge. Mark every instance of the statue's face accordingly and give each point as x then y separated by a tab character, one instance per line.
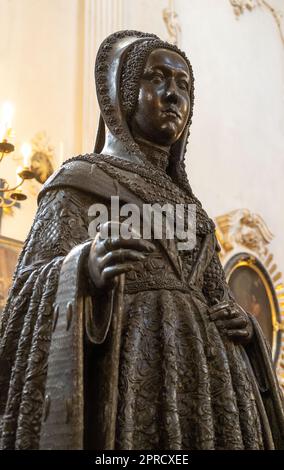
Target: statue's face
163	104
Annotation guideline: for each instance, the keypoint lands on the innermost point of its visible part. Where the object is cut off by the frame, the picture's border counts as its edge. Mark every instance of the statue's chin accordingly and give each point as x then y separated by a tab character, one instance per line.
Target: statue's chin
164	135
168	134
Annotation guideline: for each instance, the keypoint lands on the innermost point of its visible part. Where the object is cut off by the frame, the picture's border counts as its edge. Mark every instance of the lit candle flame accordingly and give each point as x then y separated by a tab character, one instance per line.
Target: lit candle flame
26	151
7	114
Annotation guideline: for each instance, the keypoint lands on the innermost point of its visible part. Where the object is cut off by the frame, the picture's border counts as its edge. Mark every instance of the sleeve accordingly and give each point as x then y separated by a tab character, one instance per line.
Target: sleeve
257	351
215	287
60	224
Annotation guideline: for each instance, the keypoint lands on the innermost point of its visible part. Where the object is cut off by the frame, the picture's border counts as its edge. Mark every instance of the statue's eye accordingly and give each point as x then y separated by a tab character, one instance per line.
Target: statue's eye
183	84
157	78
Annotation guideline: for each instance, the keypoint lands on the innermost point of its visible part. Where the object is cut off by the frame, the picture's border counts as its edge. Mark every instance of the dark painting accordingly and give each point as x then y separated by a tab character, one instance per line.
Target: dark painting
252	294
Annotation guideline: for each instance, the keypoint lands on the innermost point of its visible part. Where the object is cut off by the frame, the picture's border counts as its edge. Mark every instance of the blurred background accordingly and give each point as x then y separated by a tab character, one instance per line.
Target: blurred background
235	156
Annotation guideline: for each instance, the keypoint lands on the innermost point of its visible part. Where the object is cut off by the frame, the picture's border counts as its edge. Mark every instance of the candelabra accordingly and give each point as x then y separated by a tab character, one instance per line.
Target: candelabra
10	195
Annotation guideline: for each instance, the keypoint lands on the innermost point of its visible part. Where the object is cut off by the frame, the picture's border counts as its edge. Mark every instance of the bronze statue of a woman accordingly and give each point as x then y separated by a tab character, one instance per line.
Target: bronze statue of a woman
114	343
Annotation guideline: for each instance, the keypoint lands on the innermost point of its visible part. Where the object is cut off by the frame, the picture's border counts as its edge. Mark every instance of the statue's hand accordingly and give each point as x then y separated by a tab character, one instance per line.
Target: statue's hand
232	320
112	256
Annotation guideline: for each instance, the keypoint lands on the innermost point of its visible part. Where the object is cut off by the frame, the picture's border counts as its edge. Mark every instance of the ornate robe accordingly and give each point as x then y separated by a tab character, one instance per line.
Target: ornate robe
165	378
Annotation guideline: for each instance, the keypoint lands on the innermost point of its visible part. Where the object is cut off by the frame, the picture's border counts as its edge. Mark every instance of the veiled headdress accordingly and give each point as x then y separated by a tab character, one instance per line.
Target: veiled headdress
119	66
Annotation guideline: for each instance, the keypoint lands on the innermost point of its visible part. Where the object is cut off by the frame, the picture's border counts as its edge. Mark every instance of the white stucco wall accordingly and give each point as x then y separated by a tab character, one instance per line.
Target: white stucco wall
40	75
236	151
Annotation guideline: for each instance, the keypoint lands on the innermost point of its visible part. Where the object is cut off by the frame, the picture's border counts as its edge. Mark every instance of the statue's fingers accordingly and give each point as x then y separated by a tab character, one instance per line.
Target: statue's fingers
220	315
235	323
112	244
135	243
120	256
111	271
238	333
218	306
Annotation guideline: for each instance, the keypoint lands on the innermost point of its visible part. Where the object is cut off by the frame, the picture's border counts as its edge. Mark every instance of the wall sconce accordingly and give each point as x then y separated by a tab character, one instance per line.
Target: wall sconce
36	161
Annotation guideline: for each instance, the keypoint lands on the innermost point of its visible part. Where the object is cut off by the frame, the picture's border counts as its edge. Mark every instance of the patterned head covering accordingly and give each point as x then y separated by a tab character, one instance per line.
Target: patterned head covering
119	66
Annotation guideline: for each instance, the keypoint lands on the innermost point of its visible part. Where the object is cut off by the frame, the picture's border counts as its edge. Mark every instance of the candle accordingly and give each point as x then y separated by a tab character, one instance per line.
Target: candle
26	151
7	114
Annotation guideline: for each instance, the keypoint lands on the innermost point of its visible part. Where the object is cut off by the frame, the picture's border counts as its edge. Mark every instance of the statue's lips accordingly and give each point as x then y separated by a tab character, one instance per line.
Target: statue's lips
172	113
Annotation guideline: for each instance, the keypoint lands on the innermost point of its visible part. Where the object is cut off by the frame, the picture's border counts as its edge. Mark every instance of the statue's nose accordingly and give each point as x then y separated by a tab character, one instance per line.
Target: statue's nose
171	91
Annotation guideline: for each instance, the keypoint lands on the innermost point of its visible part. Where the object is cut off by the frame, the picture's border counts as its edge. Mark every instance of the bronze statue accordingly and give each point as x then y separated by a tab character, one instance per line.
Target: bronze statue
114	343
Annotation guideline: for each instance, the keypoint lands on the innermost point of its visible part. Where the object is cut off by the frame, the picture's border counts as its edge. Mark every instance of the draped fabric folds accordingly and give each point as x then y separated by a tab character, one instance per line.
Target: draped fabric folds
139	366
26	322
181	383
